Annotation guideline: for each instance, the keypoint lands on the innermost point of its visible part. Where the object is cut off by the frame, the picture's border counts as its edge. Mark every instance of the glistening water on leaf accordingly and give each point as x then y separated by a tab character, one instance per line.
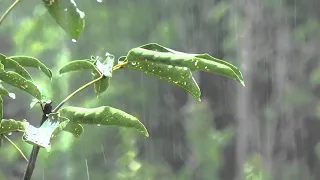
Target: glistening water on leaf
74	128
4	91
157	47
67	15
16	80
14	66
202	62
11	125
104	115
27	61
176	75
49	129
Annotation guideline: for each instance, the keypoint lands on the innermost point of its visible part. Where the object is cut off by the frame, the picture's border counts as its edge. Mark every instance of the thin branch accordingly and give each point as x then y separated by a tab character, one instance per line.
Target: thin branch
9	10
18	149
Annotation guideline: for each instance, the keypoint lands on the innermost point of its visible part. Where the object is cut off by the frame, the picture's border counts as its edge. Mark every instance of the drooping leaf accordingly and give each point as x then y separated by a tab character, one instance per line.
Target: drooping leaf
102	116
67	15
77	65
49	129
106	69
202	62
157	47
74	128
177	75
16	80
101	85
11	125
27	61
14	66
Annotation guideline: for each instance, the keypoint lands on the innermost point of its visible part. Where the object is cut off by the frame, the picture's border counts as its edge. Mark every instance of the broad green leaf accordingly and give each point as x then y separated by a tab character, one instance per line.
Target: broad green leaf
102	116
49	129
177	75
157	47
16	80
74	128
202	62
67	15
77	65
27	61
11	125
14	66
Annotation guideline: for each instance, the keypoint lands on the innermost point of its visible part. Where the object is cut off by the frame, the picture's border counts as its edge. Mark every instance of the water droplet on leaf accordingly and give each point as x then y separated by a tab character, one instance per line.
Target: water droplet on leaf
133	63
73	40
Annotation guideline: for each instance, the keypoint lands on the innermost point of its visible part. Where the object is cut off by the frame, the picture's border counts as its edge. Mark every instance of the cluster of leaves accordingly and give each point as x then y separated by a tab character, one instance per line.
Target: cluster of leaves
152	59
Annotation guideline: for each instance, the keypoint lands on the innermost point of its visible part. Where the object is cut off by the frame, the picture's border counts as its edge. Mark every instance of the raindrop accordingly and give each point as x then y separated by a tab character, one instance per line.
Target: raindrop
10	133
98	125
99	1
133	63
73	40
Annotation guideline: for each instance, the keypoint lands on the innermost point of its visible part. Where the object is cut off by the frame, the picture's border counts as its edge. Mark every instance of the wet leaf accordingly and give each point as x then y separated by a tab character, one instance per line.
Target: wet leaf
74	128
105	68
16	80
101	85
11	125
102	116
203	62
77	65
27	61
46	132
14	66
67	15
176	75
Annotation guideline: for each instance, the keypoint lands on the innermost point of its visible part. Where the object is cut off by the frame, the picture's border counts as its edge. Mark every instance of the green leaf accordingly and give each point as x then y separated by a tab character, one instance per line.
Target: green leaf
74	128
16	80
67	15
176	75
101	85
11	125
46	132
77	65
104	68
102	116
27	61
15	66
203	62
